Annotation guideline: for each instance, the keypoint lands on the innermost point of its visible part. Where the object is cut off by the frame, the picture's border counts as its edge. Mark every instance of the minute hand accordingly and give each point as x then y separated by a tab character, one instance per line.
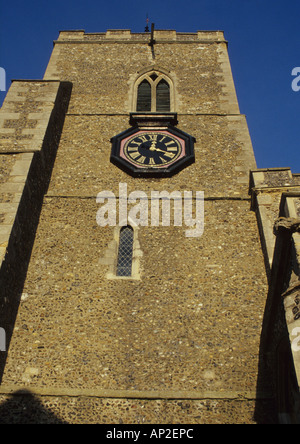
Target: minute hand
157	149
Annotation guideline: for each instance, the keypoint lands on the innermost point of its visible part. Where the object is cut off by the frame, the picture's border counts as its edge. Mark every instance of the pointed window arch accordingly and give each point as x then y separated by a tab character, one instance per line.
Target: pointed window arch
154	93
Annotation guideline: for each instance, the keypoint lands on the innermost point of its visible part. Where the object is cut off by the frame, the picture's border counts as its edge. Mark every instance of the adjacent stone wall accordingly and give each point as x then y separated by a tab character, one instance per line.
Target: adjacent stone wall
31	122
280	335
25	117
266	188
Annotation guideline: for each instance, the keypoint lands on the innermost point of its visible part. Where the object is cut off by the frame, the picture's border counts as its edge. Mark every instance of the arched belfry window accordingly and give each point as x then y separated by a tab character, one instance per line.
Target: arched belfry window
154	93
125	252
144	96
163	96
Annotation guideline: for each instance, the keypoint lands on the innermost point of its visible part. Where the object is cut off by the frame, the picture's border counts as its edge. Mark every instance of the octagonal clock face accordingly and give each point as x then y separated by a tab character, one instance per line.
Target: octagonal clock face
153	152
152	149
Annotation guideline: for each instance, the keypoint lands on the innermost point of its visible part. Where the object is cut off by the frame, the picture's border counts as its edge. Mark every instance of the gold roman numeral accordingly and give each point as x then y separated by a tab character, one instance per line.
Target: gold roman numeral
142	159
133	142
173	149
169	155
153	137
170	143
143	138
135	155
132	149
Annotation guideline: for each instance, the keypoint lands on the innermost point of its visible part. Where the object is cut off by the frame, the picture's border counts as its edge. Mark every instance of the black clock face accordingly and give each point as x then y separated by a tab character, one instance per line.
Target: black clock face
152	149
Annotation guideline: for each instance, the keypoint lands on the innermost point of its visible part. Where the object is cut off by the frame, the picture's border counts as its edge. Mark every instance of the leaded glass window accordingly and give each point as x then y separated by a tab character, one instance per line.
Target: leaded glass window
153	93
144	97
163	97
124	266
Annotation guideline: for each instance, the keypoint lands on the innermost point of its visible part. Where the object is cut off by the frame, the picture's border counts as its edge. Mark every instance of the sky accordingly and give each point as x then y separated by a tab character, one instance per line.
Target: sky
264	49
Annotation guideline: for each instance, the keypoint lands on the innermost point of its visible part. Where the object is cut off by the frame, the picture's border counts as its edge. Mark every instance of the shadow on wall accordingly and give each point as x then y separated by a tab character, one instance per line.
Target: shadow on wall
14	268
23	407
276	372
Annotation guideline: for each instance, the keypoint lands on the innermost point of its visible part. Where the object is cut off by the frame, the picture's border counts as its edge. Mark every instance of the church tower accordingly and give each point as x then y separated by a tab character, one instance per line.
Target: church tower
133	280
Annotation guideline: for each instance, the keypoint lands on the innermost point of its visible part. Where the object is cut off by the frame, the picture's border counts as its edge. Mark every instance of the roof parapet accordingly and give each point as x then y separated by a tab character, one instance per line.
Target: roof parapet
160	35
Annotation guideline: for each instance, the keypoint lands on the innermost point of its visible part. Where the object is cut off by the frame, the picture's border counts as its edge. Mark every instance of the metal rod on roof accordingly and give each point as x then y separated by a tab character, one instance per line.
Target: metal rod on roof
152	41
147	27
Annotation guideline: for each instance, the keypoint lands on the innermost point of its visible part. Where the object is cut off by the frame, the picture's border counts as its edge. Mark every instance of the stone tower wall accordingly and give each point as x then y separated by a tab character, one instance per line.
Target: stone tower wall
181	342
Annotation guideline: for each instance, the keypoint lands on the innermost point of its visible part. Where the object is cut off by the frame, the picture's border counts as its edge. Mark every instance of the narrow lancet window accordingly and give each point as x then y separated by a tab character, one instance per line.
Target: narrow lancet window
144	97
163	97
124	266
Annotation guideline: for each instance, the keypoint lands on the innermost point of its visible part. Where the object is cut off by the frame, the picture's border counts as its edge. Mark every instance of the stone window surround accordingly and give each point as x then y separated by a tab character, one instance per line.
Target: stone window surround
111	255
145	75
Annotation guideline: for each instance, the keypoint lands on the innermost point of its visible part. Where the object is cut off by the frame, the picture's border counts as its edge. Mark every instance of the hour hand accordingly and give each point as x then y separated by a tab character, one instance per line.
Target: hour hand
154	148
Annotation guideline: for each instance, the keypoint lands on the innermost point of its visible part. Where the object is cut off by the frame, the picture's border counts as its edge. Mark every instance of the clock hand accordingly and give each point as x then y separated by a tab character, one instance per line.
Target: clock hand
154	148
158	149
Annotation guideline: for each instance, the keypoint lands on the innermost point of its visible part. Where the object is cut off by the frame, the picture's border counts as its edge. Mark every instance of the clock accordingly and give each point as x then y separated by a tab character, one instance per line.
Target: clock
145	151
153	149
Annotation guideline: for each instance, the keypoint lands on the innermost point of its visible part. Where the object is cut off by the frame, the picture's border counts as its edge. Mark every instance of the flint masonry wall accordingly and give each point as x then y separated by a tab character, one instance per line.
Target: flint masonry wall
181	344
31	120
24	119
